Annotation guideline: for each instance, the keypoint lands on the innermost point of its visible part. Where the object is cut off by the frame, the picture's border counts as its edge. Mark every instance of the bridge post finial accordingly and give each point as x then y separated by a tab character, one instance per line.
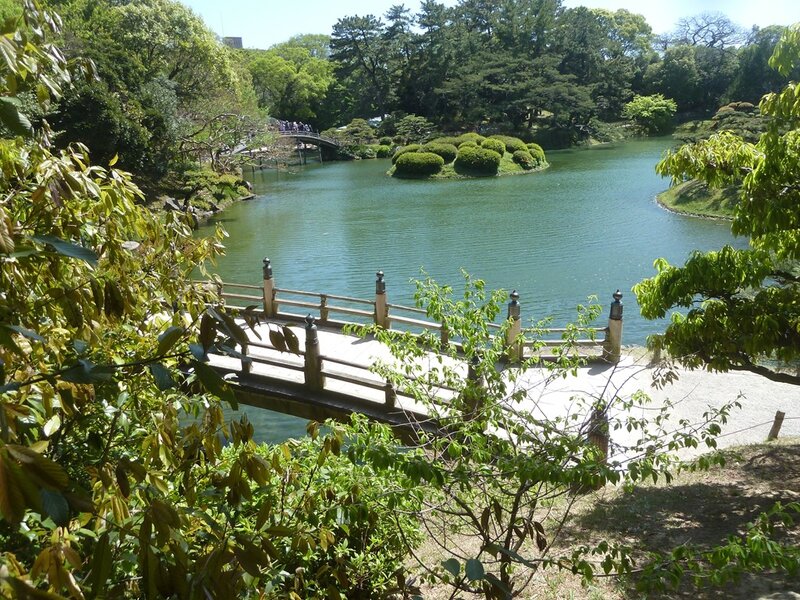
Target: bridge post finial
312	369
381	303
269	289
612	346
513	340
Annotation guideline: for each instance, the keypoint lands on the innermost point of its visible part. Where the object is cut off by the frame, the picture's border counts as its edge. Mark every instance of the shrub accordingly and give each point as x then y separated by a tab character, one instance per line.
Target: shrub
400	151
365	151
385	141
652	114
468	144
512	144
536	152
525	160
470	137
383	151
478	160
447	151
493	144
446	139
418	163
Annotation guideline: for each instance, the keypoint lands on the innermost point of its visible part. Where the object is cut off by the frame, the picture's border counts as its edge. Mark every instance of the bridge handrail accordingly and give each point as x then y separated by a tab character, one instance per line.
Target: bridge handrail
308	134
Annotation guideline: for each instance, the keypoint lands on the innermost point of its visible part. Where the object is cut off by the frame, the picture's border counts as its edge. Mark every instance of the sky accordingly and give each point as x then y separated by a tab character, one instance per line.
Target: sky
262	23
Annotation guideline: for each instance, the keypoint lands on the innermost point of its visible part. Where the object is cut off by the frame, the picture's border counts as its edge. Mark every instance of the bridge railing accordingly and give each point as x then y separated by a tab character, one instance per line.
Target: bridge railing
311	135
337	311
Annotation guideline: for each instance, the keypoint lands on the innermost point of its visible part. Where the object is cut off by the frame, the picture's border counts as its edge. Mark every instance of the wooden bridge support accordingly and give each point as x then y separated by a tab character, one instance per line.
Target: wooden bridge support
269	289
612	348
513	335
312	370
381	307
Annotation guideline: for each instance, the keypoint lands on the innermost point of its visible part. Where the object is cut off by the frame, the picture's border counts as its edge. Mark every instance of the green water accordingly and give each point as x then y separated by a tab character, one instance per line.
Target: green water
587	225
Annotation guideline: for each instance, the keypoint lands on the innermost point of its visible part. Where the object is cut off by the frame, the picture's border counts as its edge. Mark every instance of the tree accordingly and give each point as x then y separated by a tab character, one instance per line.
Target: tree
742	305
412	129
652	114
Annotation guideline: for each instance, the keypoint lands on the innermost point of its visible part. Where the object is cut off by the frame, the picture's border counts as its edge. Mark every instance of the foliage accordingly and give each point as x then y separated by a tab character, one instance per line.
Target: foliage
535	150
468	144
496	481
742	303
469	137
652	114
512	144
447	151
494	144
412	129
357	132
418	163
383	151
403	149
525	160
113	480
477	160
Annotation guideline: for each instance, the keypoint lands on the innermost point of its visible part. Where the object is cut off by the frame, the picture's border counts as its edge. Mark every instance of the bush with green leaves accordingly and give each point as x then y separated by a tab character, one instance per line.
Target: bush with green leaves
418	163
404	149
315	522
469	144
525	160
651	114
535	148
448	139
383	151
479	161
469	137
512	144
385	141
494	144
447	151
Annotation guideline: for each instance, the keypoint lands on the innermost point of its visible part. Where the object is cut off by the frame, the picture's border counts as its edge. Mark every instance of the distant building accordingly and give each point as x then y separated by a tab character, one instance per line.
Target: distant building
233	42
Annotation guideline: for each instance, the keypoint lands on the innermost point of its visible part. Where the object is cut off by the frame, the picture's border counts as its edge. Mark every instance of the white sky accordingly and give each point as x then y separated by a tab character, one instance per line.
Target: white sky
262	23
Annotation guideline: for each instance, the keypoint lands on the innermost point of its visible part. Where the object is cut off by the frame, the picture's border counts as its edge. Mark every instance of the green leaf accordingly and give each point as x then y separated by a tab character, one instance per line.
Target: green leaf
162	376
101	566
28	333
168	339
55	505
474	570
16	122
215	384
67	248
452	566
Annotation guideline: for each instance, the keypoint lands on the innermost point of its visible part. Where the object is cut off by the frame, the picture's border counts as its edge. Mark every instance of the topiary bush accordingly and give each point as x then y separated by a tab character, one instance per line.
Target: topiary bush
400	151
524	159
448	139
512	144
418	163
470	137
385	141
447	151
477	160
468	144
536	152
493	144
383	151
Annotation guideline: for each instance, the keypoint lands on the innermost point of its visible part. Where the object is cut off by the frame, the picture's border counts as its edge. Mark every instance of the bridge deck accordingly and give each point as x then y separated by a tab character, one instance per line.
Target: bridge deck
280	387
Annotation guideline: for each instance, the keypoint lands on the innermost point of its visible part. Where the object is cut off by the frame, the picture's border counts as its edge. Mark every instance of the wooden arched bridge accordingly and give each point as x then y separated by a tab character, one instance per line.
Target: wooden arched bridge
328	374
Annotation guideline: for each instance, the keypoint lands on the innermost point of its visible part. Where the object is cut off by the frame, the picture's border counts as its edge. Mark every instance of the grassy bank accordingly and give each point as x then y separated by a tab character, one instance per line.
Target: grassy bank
696	198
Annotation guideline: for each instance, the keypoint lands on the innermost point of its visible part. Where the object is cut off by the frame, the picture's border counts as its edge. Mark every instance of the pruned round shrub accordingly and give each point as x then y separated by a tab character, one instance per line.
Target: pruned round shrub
470	137
512	144
524	159
493	144
447	151
468	144
385	141
400	151
477	160
448	139
418	163
383	151
536	152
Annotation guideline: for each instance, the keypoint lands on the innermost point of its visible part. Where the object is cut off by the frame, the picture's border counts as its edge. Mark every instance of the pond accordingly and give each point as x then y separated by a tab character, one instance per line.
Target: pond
586	226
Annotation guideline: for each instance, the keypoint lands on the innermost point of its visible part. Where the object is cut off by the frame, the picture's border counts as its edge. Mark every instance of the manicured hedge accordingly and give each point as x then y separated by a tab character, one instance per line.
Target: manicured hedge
536	152
418	163
524	159
468	144
386	141
447	151
478	160
493	144
512	144
470	137
448	139
383	151
404	149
